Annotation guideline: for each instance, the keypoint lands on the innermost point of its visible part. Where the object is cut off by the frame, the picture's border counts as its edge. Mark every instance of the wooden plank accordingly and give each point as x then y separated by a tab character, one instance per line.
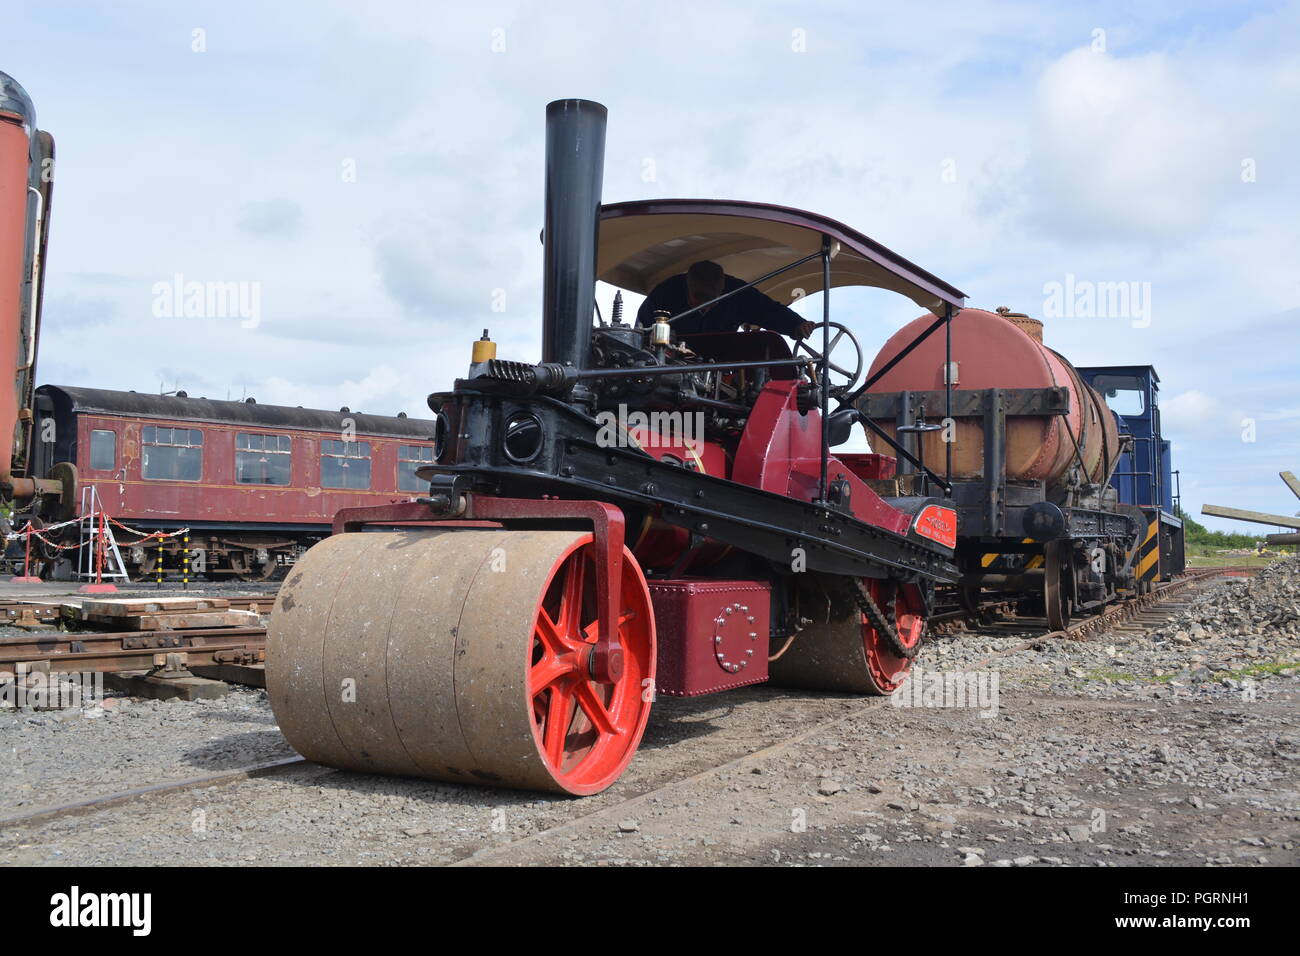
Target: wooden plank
143	684
1291	482
123	607
250	675
176	621
1258	517
1292	538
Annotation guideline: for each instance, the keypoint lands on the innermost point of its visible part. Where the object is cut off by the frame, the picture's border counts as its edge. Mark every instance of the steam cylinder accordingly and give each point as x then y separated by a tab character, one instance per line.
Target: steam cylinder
993	350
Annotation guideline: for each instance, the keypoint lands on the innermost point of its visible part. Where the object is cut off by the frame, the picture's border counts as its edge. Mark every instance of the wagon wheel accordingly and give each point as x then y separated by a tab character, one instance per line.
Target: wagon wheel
838	332
462	655
261	572
1058	584
968	596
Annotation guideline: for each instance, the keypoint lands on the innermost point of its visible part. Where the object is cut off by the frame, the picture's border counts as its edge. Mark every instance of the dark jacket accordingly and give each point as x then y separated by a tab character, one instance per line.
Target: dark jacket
750	307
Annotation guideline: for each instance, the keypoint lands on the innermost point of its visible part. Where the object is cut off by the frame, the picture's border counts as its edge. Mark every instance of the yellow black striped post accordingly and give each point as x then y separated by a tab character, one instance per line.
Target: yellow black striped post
1148	559
158	569
185	564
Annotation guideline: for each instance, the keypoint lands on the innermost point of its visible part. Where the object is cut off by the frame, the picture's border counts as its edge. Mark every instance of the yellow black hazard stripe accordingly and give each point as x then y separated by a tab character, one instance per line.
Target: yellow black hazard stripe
1148	558
1035	561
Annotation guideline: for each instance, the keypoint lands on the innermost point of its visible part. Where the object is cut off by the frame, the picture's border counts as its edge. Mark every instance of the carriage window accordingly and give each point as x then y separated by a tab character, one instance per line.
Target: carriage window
345	464
171	454
262	459
103	450
409	458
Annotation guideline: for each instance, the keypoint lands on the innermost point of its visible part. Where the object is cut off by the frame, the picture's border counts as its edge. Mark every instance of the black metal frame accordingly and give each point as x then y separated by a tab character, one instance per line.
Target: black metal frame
571	463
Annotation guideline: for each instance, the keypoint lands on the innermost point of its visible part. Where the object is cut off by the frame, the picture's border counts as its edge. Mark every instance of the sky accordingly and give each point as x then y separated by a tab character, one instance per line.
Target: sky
370	176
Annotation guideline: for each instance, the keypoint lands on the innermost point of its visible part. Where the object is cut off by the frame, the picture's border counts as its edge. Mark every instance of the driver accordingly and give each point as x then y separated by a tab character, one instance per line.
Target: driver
705	280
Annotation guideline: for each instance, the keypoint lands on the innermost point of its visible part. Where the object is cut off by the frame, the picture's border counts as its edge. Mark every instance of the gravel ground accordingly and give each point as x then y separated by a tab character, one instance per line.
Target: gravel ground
1225	641
1127	749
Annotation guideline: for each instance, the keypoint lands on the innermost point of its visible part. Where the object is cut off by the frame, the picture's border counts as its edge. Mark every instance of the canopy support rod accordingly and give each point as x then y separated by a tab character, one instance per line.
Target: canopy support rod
903	453
861	389
949	432
823	489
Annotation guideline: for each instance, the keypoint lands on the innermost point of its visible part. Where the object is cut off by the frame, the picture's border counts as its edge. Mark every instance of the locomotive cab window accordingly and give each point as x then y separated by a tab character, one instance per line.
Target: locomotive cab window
171	454
262	459
345	464
1125	394
409	458
103	450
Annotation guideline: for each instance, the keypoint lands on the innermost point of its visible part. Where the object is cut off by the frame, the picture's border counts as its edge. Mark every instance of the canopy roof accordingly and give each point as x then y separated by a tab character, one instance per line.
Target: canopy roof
642	243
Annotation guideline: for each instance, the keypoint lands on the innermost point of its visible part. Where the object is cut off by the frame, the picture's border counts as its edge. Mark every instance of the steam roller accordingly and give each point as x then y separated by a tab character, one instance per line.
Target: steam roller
654	510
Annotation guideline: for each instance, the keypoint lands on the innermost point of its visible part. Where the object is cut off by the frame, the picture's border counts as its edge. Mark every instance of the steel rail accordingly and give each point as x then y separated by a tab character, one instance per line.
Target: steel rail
93	804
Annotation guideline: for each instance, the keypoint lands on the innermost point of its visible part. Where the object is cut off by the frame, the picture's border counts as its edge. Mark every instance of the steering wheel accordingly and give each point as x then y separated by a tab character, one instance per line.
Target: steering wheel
838	332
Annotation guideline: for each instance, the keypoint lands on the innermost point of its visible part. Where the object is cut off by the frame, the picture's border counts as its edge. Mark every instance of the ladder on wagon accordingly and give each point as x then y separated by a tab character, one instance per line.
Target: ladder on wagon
98	558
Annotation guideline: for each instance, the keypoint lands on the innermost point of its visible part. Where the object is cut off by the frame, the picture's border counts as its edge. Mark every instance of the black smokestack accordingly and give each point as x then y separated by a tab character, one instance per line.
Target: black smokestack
575	161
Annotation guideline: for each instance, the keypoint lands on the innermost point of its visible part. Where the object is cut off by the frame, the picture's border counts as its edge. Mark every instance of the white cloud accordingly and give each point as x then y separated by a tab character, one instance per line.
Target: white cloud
1194	412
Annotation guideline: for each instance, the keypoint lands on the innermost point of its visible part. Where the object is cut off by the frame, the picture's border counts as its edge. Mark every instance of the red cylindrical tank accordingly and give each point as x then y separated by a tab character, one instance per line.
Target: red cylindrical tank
1003	350
15	170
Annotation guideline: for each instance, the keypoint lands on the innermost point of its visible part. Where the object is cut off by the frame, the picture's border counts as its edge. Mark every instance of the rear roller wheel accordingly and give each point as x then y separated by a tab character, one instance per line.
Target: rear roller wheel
848	654
460	655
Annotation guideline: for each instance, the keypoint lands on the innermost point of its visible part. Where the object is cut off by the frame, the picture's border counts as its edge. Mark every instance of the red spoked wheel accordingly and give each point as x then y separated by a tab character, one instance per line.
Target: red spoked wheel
588	730
903	606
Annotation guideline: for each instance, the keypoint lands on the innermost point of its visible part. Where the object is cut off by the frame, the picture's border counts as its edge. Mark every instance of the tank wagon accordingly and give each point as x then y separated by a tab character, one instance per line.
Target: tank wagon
255	484
578	552
1042	470
26	188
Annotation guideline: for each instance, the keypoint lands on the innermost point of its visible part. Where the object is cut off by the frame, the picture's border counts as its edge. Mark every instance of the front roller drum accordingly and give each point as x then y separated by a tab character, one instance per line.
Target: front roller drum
847	654
460	655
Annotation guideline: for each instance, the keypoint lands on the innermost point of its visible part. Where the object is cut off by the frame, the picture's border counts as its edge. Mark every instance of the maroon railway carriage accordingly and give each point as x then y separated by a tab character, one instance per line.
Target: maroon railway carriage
256	484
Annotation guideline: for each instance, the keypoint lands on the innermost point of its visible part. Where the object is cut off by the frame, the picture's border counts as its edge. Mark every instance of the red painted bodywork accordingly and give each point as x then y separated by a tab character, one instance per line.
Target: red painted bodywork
217	499
780	451
712	635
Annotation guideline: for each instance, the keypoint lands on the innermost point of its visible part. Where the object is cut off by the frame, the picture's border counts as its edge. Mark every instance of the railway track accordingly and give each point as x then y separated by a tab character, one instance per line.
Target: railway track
1144	613
998	617
15	610
43	647
114	651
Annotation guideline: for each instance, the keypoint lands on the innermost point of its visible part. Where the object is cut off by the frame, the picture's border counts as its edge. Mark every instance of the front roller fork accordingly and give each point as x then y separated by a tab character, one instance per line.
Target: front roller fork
468	510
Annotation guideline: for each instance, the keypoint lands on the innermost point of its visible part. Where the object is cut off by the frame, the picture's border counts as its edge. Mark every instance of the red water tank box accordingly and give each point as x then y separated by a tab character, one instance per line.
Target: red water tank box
712	635
870	467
